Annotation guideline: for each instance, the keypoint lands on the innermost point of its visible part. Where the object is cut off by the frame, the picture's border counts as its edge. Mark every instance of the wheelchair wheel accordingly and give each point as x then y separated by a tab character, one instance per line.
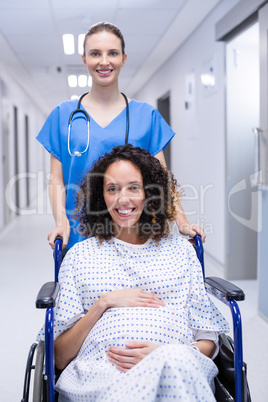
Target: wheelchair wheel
28	372
225	381
38	375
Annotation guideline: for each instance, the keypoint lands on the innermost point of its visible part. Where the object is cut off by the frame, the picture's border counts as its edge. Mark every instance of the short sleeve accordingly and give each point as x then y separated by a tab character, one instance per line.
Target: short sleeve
161	133
209	335
49	135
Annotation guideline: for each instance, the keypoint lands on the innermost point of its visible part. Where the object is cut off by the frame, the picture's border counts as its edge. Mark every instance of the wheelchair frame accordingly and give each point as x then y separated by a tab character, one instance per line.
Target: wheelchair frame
229	294
223	290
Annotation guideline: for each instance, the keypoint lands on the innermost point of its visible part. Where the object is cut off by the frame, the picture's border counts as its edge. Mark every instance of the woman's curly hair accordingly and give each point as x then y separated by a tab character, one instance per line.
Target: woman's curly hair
160	189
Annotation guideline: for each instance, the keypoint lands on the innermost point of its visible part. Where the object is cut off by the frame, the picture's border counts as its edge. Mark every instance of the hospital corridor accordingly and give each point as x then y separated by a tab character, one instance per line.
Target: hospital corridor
186	80
29	264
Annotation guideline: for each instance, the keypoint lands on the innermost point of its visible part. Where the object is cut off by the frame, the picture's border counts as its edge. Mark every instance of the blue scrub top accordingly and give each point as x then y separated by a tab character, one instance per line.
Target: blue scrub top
147	129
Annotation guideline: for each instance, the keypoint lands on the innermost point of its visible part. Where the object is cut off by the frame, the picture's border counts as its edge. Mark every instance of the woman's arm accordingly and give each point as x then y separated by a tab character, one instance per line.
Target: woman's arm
126	358
206	346
57	195
68	344
185	227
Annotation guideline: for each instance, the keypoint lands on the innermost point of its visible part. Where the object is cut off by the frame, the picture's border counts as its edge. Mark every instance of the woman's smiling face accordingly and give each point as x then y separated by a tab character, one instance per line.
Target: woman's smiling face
124	196
104	58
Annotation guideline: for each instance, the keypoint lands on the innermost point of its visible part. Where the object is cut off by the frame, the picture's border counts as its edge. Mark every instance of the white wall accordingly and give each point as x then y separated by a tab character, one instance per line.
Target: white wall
198	159
198	149
16	96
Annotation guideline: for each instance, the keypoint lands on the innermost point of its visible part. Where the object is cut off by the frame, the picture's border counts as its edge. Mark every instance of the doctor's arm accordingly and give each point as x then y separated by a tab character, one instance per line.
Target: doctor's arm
185	227
57	196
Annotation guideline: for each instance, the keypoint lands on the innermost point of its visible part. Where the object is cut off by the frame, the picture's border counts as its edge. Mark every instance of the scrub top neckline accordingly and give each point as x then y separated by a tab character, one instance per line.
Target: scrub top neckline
116	117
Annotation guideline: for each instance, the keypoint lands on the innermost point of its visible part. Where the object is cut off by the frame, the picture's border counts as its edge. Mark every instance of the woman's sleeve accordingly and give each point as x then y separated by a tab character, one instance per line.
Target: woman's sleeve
49	135
203	314
69	308
209	335
161	133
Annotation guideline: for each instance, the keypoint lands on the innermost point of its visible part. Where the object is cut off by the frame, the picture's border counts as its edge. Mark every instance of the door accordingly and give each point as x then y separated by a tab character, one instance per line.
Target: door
27	159
263	218
242	169
16	159
163	106
5	116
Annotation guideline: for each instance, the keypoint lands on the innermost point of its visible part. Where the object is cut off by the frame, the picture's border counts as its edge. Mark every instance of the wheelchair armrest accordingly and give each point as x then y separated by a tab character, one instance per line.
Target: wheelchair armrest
223	289
47	295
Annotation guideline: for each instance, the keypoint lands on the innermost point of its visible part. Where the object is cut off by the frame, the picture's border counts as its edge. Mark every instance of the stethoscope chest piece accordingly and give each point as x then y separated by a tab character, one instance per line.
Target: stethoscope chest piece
78	111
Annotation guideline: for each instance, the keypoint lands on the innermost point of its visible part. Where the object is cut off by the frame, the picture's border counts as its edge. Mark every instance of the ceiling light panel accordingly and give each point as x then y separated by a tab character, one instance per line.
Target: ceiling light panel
82	80
68	43
72	81
81	38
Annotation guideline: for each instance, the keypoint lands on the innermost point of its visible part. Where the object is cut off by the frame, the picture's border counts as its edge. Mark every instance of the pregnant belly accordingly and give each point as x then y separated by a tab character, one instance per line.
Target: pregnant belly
119	325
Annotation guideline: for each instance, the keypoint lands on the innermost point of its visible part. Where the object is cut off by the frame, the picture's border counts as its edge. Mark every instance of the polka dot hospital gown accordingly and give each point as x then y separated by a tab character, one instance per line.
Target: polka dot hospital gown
174	371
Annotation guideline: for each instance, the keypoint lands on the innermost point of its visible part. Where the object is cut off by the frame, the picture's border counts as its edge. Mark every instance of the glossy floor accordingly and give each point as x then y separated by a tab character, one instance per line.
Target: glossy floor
26	263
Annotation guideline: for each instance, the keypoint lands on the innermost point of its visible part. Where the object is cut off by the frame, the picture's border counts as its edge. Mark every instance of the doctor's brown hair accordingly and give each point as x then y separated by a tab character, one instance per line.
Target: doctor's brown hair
105	26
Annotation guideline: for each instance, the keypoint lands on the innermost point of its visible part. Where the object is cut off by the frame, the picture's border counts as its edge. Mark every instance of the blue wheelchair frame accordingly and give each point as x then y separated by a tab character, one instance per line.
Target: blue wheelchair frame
227	293
220	288
46	299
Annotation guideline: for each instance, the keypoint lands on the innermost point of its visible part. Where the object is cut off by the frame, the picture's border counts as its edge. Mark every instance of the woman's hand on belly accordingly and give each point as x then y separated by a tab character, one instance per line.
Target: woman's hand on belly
135	351
130	298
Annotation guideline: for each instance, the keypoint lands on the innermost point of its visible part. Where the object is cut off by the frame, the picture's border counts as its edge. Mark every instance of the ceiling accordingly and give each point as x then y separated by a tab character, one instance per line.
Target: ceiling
31	39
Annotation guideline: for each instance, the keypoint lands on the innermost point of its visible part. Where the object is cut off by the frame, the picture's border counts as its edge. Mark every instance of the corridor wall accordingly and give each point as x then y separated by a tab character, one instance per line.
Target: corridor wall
19	186
198	118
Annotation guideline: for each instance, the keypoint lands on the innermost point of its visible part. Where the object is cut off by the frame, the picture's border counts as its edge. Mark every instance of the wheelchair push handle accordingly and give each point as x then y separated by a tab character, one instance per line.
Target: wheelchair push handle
57	256
58	238
199	251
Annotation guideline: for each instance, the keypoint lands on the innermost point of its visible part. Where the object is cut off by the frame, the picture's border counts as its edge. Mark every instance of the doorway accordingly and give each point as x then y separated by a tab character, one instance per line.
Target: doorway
27	159
5	118
163	106
16	159
242	121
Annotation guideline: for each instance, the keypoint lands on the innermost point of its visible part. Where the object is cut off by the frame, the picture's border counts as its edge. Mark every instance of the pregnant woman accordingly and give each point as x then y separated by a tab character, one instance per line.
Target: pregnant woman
133	320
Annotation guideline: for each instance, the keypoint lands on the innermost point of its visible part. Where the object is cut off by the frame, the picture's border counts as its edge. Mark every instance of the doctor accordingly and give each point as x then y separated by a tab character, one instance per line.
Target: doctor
106	119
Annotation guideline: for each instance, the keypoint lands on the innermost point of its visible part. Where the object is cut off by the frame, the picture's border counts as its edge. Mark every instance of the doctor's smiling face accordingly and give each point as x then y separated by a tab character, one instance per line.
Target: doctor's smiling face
124	197
104	57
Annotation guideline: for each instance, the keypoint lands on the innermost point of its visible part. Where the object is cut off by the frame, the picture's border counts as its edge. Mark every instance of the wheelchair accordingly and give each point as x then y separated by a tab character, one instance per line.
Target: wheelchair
230	384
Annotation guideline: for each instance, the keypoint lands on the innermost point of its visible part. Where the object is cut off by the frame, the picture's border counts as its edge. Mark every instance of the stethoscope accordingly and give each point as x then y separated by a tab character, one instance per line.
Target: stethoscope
86	116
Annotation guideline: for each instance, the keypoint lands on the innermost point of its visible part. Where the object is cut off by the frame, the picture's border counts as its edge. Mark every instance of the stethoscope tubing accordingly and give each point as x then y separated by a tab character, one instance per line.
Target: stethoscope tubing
79	110
127	118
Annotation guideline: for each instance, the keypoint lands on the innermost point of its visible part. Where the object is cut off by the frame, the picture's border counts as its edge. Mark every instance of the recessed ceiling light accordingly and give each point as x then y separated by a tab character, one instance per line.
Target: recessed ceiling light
82	81
72	81
81	38
68	43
